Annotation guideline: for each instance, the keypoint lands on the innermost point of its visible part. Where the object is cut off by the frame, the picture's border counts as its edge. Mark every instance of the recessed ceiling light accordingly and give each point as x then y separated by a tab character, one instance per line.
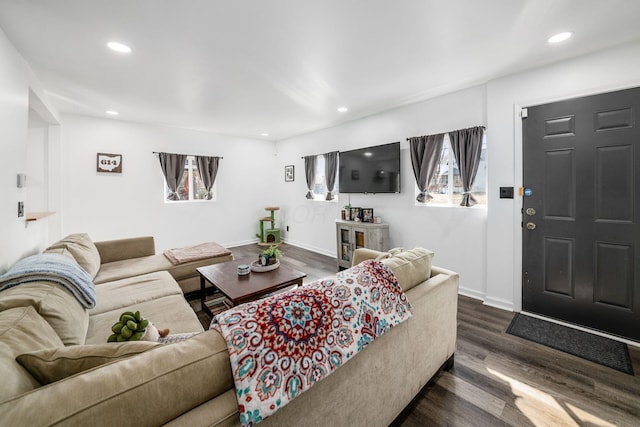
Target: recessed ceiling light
111	112
342	109
560	37
264	134
119	47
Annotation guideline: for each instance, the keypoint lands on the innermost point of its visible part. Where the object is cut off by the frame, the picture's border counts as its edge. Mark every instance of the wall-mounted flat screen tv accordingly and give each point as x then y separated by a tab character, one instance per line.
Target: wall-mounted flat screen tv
370	170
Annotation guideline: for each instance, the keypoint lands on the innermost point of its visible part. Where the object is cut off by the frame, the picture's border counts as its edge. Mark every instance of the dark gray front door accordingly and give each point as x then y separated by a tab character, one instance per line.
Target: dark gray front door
581	260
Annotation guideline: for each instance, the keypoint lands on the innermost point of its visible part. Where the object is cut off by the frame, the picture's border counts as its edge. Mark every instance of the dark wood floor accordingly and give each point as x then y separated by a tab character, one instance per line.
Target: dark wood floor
500	379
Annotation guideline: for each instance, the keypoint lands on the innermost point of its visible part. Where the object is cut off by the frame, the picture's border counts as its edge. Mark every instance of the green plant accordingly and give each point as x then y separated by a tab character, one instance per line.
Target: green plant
130	327
346	207
272	252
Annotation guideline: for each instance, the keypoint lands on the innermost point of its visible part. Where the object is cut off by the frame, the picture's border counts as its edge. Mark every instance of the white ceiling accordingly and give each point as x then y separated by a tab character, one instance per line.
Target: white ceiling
283	66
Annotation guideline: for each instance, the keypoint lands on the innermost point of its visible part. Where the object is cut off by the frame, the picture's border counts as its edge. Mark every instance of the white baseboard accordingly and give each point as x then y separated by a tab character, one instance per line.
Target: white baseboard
471	293
500	303
311	248
241	243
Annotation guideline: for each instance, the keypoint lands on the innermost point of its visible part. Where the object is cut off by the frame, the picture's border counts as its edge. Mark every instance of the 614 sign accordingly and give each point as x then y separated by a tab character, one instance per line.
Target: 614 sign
109	163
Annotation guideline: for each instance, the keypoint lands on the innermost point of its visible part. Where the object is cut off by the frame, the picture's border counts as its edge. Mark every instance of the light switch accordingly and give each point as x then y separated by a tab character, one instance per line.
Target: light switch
506	192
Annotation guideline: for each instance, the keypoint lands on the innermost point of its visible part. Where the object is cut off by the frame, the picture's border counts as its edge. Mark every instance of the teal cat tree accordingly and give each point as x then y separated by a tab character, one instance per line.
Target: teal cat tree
269	236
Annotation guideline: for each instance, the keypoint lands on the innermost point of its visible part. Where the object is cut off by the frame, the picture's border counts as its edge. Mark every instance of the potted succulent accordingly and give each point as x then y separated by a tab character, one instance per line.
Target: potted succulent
271	255
133	327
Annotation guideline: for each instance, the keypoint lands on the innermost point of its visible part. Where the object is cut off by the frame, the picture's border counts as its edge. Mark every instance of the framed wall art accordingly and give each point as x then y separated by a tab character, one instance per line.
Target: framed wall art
110	163
289	173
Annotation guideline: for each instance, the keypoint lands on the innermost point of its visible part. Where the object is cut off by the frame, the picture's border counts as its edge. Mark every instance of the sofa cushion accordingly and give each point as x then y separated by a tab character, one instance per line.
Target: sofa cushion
148	264
83	250
53	364
171	312
22	330
118	294
55	304
60	251
122	269
133	247
411	267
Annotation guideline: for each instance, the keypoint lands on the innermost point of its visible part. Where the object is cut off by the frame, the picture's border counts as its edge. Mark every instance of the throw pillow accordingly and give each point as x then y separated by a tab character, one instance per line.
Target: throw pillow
84	251
410	267
53	364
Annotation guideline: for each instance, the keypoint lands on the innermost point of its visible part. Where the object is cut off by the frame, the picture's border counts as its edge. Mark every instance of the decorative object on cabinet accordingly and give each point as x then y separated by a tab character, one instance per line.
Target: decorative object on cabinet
346	212
110	163
351	236
356	214
367	215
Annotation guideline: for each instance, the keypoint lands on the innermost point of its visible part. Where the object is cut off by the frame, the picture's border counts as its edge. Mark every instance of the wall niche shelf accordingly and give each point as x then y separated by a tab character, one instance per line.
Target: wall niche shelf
35	216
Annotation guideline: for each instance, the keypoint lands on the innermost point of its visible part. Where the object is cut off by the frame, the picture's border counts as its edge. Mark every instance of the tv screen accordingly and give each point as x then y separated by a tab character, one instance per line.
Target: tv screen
370	170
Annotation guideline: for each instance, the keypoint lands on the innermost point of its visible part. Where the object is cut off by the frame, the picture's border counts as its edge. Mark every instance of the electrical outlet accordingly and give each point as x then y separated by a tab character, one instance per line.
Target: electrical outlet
20	209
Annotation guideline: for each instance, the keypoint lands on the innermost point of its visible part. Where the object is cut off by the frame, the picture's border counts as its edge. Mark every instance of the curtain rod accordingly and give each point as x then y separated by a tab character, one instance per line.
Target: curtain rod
158	152
483	128
313	155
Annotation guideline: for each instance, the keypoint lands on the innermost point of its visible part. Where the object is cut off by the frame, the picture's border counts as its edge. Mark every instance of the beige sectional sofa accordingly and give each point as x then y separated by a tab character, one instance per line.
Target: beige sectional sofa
74	379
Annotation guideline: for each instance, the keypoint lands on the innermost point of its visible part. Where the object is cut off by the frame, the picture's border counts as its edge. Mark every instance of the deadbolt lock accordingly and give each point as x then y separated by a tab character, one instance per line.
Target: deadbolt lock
531	226
530	211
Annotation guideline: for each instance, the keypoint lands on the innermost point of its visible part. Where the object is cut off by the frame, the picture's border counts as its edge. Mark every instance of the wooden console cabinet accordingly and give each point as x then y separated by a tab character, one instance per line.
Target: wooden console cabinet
352	235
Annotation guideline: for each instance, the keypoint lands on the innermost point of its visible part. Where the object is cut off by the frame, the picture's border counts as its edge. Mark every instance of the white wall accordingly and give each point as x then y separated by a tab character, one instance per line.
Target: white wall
17	239
112	206
604	71
455	234
483	245
489	257
37	165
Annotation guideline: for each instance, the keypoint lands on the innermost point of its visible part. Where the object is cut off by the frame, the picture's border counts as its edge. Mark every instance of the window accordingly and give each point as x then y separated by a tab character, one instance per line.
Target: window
320	187
190	188
446	185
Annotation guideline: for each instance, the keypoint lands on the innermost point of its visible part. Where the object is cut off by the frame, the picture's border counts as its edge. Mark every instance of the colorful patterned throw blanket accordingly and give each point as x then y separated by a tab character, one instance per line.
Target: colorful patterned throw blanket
52	268
282	345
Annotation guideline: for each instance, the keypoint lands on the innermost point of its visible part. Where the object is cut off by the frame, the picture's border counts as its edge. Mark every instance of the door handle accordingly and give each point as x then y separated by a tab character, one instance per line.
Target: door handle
531	226
530	211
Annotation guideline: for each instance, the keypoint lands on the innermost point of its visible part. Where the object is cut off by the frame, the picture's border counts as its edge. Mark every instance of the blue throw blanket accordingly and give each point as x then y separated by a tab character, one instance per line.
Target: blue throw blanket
52	268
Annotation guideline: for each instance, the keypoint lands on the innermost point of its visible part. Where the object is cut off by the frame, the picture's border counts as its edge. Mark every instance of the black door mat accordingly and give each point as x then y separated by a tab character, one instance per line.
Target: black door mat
601	350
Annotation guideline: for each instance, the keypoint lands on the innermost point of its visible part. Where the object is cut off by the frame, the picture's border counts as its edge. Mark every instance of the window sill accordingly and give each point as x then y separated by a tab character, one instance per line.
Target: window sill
428	205
335	200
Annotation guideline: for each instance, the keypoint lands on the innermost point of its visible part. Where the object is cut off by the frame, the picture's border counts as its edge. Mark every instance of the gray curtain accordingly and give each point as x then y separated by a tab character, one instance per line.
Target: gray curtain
310	174
208	168
467	147
425	156
330	169
172	168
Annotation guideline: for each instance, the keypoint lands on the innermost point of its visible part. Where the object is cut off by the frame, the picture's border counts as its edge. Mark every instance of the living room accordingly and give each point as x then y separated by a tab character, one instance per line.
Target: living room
56	149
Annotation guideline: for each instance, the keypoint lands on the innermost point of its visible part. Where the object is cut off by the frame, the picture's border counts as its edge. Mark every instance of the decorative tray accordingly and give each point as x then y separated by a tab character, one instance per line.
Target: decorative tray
257	268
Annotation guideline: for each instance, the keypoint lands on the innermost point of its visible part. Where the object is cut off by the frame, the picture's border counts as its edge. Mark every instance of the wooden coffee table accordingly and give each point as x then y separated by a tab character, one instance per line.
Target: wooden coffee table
239	289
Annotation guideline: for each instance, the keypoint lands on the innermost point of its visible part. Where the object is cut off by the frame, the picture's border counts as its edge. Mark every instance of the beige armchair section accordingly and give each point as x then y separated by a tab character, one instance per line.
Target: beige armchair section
124	258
